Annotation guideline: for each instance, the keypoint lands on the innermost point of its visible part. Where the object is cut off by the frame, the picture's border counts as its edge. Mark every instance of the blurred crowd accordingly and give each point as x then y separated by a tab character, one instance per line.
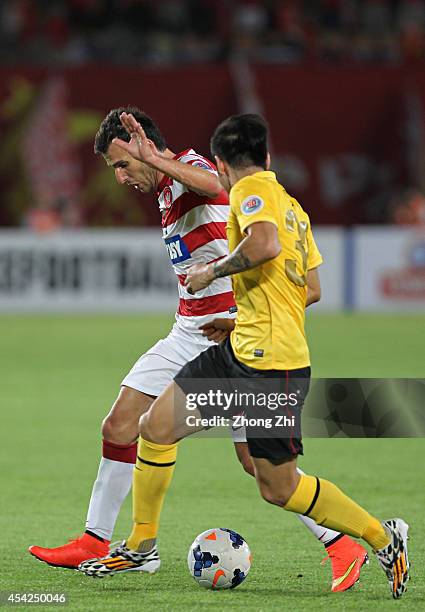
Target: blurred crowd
179	31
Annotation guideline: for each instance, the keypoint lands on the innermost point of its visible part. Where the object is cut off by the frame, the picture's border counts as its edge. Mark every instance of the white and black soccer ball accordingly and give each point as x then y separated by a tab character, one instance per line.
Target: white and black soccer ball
219	559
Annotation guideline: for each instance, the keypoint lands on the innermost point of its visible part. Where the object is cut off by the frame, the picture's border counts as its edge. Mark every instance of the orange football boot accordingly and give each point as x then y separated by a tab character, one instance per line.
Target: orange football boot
347	558
73	553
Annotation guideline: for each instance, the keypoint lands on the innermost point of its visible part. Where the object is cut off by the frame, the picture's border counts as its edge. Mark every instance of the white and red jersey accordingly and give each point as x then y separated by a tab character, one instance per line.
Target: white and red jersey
194	231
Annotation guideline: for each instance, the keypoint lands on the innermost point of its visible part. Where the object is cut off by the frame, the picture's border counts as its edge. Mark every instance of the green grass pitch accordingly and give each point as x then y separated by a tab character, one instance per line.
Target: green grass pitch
59	376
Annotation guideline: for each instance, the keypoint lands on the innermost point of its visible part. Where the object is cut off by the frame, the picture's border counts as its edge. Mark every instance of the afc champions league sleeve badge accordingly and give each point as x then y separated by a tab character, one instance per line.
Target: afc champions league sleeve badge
252	204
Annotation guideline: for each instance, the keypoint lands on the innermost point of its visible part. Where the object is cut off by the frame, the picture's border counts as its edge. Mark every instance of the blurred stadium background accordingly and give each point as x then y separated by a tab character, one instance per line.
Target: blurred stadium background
341	82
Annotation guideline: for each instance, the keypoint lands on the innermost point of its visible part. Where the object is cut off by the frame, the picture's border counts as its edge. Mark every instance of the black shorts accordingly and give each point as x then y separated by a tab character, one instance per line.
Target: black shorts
219	369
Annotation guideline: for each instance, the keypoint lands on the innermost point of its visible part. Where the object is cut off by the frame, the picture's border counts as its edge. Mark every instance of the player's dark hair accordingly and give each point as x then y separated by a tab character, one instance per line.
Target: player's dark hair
111	128
241	141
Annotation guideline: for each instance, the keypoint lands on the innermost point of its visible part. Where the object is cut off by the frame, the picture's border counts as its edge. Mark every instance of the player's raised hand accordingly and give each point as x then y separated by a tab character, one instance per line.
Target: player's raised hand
198	277
218	329
139	147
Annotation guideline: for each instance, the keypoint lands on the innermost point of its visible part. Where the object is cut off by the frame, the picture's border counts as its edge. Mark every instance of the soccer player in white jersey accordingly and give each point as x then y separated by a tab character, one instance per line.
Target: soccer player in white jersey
194	210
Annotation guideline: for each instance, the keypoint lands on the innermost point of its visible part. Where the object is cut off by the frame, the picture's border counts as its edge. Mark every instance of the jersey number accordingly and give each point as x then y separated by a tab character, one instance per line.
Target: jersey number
301	245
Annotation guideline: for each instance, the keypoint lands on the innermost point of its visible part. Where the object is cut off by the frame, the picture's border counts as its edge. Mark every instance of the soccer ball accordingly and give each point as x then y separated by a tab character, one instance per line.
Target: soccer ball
219	559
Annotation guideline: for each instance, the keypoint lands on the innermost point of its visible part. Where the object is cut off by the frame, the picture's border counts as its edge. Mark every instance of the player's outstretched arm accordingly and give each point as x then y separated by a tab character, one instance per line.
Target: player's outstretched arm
141	148
261	244
198	180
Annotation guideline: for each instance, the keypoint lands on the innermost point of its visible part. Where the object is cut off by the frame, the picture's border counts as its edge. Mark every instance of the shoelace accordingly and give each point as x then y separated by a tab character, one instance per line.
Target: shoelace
121	551
119	548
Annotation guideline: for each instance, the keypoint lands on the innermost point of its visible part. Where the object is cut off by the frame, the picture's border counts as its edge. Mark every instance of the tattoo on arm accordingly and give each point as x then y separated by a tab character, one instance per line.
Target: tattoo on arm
232	264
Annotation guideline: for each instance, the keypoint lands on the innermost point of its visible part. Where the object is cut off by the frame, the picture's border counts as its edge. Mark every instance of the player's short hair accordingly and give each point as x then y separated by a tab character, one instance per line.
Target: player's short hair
111	128
241	141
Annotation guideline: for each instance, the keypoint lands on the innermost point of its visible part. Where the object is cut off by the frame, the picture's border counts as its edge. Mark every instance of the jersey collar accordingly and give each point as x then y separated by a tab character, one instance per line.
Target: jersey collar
265	174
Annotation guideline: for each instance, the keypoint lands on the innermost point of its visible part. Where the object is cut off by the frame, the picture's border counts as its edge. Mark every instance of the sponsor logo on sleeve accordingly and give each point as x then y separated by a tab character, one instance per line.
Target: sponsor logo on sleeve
177	249
252	204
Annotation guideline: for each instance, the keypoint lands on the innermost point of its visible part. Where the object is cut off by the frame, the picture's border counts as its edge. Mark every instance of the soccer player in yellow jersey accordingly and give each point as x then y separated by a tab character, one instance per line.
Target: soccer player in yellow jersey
271	250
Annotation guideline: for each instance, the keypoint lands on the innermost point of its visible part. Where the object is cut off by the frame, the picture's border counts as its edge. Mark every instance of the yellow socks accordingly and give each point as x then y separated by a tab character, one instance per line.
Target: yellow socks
318	498
152	477
375	534
329	506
